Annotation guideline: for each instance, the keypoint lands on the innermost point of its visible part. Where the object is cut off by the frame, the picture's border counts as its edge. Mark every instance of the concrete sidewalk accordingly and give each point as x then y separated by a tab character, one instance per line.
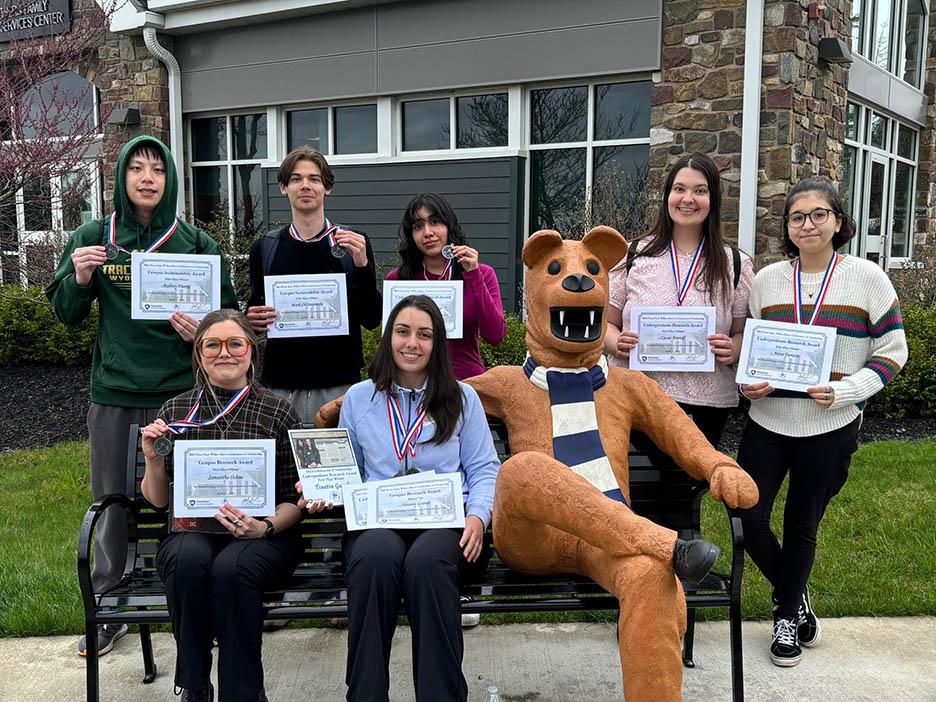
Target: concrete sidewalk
857	659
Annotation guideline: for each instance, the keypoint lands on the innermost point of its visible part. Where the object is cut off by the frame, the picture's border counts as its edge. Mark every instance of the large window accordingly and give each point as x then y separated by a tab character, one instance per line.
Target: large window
589	146
347	129
480	122
892	35
879	182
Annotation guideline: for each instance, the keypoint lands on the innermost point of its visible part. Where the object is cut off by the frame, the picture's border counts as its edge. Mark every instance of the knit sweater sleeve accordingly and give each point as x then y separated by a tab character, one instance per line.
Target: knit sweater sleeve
888	350
482	285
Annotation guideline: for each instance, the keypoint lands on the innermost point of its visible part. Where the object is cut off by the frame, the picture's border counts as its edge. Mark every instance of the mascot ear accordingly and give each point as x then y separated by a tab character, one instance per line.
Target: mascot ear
540	244
607	244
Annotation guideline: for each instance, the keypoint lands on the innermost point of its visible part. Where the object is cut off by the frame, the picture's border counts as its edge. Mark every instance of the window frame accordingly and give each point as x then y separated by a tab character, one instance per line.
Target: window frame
897	41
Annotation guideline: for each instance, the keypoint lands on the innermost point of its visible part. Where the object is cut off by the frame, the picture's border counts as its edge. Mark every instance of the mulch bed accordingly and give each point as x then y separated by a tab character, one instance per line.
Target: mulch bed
44	405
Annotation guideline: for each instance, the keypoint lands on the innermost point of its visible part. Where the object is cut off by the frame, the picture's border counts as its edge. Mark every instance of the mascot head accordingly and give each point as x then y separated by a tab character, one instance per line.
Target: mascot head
567	293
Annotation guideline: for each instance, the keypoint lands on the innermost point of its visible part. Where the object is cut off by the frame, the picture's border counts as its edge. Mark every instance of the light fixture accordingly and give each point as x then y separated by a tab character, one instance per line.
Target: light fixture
834	50
124	117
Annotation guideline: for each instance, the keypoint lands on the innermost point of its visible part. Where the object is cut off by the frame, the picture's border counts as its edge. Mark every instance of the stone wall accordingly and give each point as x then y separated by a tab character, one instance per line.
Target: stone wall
697	103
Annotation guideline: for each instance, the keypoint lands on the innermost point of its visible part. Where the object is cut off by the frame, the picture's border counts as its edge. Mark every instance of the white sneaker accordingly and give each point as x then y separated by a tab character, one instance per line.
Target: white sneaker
469	621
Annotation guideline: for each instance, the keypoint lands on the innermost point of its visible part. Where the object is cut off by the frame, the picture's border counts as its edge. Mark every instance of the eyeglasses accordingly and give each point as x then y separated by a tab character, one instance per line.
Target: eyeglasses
820	215
237	346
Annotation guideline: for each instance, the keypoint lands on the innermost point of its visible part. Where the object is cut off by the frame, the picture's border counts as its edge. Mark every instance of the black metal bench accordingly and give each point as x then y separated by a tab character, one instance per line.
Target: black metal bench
663	493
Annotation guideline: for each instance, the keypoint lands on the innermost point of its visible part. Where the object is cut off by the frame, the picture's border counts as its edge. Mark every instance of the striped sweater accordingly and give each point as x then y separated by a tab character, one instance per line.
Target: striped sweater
870	346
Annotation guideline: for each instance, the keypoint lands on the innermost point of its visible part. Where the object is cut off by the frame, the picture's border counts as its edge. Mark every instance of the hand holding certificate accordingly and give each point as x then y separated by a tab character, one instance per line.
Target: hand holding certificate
425	500
788	356
447	294
673	339
326	463
164	283
308	305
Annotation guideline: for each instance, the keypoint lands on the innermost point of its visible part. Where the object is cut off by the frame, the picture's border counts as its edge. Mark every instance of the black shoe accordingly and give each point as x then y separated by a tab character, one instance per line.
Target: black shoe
107	634
692	560
206	694
808	630
785	650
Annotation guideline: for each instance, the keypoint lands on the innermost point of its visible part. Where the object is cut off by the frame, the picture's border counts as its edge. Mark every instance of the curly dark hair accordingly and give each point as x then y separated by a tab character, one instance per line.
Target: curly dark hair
410	262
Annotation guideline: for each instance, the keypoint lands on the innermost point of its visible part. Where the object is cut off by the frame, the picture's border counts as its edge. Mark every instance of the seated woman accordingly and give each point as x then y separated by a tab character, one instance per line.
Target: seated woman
444	430
214	581
433	246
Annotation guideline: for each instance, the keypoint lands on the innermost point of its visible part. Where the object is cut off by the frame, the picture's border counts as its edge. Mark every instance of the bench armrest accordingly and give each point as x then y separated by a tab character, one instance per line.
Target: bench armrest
85	539
737	556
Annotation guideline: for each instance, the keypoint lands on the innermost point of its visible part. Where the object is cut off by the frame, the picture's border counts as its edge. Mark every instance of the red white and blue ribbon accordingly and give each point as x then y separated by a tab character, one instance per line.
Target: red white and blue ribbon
446	273
683	285
404	435
820	294
189	422
330	230
159	241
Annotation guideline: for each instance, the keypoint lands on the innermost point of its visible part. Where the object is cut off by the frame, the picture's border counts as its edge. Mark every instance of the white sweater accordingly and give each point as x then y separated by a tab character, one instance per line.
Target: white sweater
870	346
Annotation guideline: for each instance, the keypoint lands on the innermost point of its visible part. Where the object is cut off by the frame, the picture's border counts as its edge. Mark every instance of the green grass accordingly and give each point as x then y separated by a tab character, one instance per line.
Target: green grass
877	545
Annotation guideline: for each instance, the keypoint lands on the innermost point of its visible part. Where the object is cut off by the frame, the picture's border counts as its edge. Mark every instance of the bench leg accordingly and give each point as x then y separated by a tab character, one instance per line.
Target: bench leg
737	658
92	680
689	639
149	665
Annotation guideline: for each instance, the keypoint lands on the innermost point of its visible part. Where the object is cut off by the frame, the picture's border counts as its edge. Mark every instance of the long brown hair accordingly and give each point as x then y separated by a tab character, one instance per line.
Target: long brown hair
225	315
716	276
443	400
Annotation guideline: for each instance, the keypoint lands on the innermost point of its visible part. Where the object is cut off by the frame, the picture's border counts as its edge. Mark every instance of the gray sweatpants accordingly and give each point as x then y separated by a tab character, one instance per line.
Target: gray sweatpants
308	401
107	431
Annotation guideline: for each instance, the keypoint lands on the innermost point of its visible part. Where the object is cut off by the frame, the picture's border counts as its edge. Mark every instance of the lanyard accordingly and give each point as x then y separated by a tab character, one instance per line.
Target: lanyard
189	422
404	435
683	285
329	231
157	242
446	273
820	294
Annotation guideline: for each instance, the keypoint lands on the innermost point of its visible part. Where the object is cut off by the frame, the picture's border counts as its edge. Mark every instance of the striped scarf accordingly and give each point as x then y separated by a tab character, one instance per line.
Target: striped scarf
576	440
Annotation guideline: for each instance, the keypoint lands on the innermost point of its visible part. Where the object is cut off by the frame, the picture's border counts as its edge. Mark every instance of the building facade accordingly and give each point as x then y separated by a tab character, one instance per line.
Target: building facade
537	114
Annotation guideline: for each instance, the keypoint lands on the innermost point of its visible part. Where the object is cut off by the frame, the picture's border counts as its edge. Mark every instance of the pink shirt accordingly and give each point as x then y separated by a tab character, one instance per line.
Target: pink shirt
650	283
483	318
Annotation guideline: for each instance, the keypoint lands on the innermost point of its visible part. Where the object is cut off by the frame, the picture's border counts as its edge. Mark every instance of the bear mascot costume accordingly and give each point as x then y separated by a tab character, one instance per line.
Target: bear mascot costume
561	503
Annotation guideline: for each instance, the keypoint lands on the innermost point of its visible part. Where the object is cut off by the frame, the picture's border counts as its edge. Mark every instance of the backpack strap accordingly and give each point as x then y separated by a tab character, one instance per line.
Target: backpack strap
736	263
269	242
629	258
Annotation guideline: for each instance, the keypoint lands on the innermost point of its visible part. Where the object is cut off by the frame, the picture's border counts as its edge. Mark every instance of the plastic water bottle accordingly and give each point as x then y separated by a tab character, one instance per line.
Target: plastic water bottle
492	694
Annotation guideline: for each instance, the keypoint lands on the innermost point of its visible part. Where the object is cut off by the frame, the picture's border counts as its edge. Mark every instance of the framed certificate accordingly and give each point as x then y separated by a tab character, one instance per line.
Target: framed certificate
326	463
308	305
447	294
164	283
210	473
426	500
673	339
788	356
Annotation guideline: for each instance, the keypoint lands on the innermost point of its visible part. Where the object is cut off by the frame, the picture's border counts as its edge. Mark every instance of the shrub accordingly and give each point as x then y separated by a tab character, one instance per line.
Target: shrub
913	392
30	333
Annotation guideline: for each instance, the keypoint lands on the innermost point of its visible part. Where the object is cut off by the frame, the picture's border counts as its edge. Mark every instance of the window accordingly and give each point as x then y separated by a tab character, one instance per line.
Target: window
480	122
356	129
879	183
227	180
60	104
914	28
308	128
589	147
348	129
891	34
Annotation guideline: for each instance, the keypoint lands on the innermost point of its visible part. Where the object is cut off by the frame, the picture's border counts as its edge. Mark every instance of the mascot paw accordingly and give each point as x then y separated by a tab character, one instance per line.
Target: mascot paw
733	486
327	416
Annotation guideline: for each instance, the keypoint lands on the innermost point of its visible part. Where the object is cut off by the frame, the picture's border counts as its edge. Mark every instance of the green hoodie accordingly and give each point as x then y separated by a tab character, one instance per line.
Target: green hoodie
136	363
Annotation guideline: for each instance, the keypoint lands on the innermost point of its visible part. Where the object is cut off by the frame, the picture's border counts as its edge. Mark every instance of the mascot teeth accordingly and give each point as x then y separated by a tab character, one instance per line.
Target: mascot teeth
562	320
576	324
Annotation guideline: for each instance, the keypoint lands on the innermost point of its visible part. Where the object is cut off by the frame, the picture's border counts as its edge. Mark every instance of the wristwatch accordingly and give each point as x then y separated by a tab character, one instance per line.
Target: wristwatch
271	528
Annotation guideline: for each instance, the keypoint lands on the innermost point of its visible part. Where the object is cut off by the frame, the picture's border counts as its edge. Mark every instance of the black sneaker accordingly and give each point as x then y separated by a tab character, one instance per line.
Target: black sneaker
206	694
807	623
107	634
692	560
785	650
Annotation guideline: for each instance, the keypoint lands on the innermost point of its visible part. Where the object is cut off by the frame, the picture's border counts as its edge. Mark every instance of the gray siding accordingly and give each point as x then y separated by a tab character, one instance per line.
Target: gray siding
416	46
487	195
878	87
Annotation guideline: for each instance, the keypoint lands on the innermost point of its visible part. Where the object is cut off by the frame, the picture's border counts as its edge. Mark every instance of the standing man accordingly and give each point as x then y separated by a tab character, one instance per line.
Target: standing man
310	371
137	365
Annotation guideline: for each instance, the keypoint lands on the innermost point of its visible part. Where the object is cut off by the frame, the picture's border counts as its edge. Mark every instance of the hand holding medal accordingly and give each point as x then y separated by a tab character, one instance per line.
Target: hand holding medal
351	242
155	439
85	259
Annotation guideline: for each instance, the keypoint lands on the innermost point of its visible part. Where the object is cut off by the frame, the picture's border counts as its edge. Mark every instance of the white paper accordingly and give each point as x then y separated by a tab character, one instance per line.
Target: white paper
425	500
164	283
447	294
307	305
326	462
210	473
673	339
788	356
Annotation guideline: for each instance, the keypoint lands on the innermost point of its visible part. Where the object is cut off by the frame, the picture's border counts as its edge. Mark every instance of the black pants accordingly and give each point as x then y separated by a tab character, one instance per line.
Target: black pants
818	468
709	420
424	567
214	586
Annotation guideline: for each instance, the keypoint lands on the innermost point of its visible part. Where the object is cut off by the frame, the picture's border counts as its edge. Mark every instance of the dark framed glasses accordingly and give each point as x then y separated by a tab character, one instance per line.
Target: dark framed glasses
818	216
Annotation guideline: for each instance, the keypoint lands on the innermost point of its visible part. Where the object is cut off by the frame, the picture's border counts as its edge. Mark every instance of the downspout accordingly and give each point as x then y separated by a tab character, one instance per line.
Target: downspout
750	126
175	102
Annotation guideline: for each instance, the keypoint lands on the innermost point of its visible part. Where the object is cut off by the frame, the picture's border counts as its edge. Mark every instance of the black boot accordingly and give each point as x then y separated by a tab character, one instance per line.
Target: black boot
692	560
206	694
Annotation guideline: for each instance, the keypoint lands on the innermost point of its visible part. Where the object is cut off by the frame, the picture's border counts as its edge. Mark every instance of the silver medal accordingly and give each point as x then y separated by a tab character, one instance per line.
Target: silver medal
163	446
111	250
337	251
448	252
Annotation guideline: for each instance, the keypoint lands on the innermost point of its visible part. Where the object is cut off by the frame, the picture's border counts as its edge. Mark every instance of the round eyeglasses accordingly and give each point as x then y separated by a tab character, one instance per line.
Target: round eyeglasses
237	346
818	216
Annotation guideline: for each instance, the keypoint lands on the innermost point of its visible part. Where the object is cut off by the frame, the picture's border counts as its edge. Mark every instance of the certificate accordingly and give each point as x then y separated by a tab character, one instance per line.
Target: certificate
447	294
325	461
210	473
788	356
163	283
307	305
673	339
426	500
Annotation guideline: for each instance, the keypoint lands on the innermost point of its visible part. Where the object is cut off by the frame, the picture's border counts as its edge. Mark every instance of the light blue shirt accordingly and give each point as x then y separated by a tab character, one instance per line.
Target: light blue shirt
469	449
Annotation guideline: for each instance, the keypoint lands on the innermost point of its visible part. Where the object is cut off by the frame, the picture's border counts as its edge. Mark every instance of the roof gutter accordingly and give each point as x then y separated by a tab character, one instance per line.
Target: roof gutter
750	127
152	22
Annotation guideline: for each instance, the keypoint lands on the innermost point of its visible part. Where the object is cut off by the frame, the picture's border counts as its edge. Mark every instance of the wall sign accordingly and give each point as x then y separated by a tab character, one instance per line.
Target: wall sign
28	19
